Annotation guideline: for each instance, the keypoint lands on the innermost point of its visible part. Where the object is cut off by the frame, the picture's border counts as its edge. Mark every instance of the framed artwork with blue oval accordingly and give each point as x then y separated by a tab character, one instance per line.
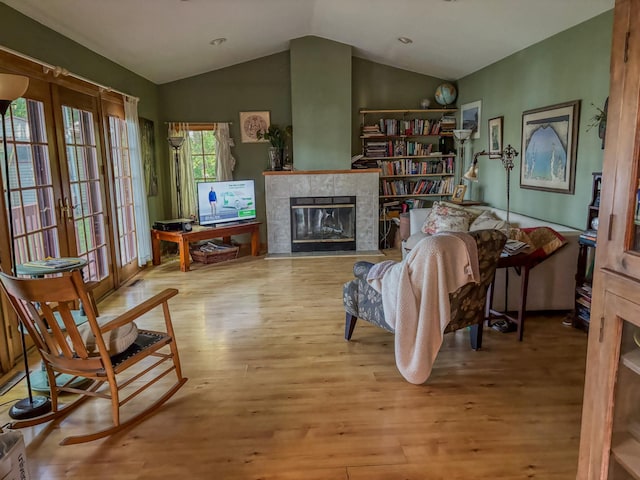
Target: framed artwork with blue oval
549	143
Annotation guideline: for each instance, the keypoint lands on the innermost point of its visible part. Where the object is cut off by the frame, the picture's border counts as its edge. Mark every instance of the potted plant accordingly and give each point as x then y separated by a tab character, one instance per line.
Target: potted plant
277	137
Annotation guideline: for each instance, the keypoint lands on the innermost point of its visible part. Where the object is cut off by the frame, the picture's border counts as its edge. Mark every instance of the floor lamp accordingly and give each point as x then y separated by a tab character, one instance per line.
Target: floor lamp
507	156
13	87
176	142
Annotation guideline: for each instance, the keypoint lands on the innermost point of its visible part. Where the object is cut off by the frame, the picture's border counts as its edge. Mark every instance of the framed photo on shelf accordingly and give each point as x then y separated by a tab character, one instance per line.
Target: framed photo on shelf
470	115
495	136
458	194
251	123
549	142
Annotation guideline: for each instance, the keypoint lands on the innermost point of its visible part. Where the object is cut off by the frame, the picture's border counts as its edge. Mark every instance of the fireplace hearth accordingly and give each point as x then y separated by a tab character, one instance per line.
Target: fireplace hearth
323	224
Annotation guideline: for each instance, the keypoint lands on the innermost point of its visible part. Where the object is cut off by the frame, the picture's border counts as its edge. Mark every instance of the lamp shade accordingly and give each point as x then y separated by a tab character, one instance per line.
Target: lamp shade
462	134
12	86
472	173
176	142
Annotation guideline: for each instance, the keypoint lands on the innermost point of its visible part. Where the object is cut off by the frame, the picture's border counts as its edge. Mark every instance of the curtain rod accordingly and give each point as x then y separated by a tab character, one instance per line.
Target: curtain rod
57	71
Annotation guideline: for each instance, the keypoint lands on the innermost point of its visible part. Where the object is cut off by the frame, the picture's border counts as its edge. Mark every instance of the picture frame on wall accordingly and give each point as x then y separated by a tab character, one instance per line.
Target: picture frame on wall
251	123
549	143
495	136
470	116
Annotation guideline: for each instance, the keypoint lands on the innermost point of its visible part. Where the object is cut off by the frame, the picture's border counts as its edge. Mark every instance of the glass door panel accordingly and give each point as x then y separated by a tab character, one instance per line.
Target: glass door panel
36	234
624	459
85	207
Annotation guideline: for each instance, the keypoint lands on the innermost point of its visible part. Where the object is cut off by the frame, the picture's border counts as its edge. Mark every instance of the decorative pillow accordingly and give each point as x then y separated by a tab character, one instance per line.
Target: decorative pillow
544	240
473	212
116	340
488	220
451	223
435	220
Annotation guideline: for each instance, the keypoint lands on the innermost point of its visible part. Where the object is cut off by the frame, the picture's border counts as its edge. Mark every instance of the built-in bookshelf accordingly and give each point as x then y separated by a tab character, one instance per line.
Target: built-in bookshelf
413	149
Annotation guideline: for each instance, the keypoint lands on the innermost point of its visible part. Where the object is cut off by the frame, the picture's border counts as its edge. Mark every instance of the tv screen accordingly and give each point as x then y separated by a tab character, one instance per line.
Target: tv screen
220	202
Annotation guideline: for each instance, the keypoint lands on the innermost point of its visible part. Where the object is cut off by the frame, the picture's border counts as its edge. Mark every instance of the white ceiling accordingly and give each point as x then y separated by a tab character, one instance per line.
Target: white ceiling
166	40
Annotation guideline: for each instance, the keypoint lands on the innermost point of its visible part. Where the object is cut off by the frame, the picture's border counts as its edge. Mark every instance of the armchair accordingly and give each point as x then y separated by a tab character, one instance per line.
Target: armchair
468	303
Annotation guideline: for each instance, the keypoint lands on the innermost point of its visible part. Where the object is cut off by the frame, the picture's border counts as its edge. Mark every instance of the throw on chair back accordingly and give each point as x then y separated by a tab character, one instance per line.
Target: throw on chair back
47	307
467	303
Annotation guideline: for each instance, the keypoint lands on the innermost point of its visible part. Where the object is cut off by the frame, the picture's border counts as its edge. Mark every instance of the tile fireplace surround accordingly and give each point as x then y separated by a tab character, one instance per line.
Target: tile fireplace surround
280	186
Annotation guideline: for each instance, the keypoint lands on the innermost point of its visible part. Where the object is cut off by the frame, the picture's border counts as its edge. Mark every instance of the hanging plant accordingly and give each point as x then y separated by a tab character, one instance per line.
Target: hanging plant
600	120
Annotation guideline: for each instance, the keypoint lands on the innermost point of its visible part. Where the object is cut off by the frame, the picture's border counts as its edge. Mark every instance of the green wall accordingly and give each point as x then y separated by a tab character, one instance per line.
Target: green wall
24	35
571	65
219	96
321	104
377	86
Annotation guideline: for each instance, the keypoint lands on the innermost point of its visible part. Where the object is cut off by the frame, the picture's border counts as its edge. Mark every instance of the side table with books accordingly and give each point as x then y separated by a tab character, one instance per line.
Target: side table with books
584	278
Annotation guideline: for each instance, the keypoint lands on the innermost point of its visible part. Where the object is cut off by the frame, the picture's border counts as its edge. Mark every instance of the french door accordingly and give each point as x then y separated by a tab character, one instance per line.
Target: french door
69	175
83	205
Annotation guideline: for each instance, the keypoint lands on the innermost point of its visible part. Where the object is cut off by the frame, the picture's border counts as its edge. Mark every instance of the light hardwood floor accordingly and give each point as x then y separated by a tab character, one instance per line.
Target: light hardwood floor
275	392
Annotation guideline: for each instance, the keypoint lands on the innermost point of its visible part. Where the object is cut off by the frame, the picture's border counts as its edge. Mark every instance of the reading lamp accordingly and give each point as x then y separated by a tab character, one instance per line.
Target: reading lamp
176	142
506	156
13	87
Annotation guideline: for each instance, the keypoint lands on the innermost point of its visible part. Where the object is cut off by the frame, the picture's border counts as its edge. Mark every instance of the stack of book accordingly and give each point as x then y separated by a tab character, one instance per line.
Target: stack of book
588	237
513	247
371	131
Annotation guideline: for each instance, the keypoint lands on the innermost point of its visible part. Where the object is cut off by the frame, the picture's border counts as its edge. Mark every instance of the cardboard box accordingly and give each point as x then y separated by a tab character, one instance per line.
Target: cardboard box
13	457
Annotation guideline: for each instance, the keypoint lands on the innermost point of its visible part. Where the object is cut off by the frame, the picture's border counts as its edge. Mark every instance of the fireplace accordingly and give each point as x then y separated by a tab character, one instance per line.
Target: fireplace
323	224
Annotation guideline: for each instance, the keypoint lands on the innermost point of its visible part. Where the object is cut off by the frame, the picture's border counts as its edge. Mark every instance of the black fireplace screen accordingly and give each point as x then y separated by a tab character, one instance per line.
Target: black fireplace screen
323	224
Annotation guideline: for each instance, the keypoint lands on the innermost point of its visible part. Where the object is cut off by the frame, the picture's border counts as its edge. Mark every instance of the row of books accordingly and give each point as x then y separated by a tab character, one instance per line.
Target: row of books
397	148
392	126
424	186
407	166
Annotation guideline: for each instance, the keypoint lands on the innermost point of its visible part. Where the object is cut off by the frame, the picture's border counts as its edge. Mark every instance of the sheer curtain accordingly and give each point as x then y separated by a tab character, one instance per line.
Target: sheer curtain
187	182
225	163
141	210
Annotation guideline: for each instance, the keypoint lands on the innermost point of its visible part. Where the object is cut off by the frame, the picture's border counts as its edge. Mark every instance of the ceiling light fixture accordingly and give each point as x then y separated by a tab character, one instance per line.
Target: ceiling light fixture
405	40
218	41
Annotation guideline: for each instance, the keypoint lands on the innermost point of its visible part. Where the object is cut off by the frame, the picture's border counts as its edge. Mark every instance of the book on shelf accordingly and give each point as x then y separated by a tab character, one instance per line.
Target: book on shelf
53	263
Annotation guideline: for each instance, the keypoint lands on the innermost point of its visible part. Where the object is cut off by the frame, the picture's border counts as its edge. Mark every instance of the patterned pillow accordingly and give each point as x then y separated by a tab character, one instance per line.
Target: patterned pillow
488	220
435	221
452	223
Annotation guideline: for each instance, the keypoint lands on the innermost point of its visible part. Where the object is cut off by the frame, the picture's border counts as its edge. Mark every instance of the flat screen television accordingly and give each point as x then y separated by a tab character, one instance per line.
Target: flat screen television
220	202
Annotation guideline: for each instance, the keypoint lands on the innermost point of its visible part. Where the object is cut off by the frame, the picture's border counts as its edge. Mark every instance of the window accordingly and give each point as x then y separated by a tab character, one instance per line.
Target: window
202	141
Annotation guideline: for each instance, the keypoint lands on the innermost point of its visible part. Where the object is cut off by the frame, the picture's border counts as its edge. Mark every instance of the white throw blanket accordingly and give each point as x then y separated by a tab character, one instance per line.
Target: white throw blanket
415	297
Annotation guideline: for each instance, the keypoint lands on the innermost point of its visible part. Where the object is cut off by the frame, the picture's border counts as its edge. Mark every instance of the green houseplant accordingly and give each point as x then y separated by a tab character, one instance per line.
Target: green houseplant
277	137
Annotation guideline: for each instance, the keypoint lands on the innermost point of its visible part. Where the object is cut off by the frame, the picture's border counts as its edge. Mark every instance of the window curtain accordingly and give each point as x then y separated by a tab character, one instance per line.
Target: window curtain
140	207
225	163
187	181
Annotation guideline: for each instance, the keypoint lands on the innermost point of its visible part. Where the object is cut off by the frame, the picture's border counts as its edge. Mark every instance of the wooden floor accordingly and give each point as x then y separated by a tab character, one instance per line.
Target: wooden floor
275	392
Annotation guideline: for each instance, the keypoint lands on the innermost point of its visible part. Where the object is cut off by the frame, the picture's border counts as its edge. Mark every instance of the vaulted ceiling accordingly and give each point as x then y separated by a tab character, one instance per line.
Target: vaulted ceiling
165	40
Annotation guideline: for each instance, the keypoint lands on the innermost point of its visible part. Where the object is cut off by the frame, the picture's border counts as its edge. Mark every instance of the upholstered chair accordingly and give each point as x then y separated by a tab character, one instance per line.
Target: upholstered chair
468	303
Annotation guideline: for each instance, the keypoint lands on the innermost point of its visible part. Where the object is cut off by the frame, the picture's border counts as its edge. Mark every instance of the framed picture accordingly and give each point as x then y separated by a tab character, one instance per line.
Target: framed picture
251	123
470	115
458	193
495	136
549	142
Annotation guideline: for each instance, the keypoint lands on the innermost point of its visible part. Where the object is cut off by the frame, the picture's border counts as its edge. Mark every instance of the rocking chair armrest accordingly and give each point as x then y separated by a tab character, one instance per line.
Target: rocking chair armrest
139	310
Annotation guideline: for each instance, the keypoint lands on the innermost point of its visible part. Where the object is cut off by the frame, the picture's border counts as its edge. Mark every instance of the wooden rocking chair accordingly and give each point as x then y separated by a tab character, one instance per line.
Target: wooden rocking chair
44	306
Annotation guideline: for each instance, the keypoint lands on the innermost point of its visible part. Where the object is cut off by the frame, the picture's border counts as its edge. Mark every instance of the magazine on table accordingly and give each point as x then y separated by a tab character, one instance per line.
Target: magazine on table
53	263
513	247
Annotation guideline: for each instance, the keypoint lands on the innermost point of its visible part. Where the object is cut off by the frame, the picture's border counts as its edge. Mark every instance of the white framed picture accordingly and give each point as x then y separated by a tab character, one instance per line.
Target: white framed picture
470	117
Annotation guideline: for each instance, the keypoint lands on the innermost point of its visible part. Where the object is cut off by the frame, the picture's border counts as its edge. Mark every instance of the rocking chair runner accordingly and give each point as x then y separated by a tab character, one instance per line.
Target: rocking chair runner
42	303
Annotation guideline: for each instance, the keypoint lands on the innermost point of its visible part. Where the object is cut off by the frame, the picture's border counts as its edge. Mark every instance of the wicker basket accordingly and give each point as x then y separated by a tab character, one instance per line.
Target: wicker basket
222	253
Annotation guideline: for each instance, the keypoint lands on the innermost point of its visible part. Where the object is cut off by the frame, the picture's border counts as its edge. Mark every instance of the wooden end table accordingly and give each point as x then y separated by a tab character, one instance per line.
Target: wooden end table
199	233
522	263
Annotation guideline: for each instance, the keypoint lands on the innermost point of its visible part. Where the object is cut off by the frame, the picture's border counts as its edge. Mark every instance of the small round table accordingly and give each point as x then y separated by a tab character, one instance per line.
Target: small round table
39	379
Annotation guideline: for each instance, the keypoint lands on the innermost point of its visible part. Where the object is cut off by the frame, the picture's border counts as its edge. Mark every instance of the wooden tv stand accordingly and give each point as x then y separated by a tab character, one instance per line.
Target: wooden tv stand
199	233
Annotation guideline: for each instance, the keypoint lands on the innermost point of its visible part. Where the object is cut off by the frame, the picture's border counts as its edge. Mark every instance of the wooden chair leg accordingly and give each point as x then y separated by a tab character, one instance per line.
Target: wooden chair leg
476	336
349	325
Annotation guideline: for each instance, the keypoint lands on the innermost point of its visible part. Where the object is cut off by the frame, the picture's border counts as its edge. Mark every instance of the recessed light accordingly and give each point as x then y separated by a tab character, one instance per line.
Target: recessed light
218	41
405	40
